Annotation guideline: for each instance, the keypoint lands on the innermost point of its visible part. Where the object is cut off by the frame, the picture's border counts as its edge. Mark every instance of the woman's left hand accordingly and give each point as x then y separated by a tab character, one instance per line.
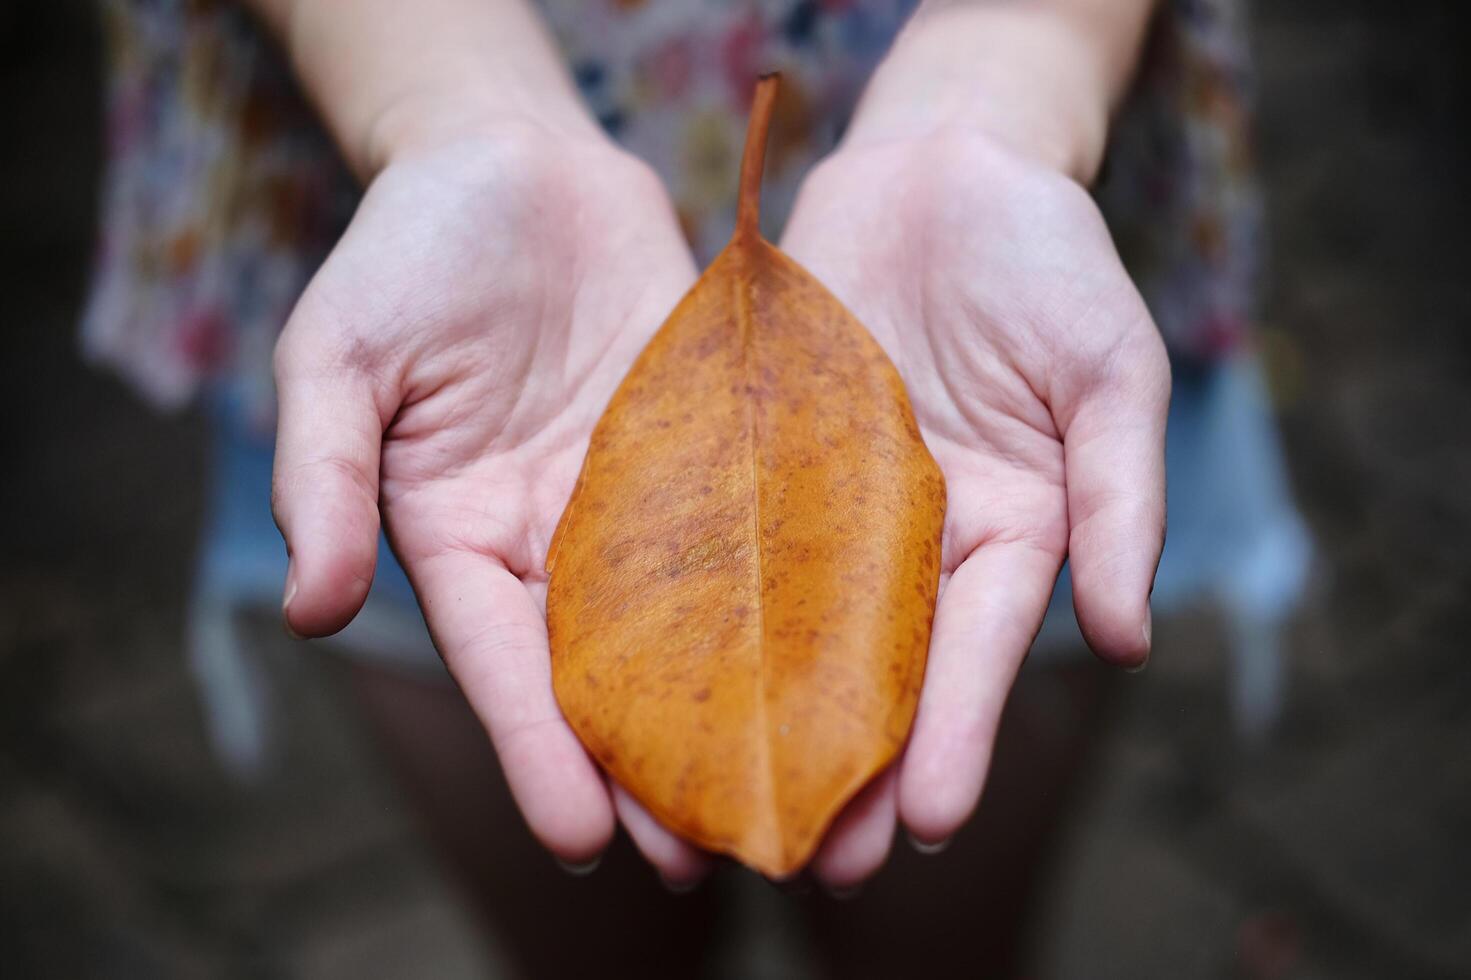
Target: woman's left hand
1041	386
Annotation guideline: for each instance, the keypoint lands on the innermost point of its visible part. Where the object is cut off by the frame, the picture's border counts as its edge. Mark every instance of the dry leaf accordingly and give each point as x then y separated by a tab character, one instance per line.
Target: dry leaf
743	582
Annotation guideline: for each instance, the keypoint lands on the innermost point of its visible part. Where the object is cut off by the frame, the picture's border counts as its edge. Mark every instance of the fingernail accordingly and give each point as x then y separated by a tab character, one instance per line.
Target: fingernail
928	849
580	870
286	603
1148	641
678	887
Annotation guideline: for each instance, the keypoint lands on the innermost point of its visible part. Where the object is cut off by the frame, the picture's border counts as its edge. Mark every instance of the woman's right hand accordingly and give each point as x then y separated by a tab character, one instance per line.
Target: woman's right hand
444	369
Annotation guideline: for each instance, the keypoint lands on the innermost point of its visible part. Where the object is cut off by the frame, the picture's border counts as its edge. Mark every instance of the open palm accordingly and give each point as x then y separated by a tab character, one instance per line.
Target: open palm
1041	386
445	369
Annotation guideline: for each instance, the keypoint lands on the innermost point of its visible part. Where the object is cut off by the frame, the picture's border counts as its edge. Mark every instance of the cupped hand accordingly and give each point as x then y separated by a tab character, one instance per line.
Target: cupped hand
1041	386
445	369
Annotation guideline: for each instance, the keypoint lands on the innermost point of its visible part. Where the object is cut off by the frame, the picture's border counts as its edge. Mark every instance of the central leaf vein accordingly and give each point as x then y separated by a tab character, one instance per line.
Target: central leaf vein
747	328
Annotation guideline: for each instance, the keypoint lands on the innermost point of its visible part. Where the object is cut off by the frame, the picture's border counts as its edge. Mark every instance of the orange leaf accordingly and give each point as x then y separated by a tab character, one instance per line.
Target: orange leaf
743	582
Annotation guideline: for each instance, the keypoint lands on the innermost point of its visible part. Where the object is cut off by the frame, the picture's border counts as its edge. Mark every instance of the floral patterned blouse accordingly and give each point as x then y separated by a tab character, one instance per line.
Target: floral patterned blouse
223	195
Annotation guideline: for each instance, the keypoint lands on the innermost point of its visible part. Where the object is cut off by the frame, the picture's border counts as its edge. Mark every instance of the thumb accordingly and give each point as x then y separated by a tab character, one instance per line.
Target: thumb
324	487
1114	455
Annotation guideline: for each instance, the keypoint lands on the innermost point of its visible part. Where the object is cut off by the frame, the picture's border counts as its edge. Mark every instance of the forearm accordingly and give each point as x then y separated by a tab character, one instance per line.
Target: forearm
1042	77
387	75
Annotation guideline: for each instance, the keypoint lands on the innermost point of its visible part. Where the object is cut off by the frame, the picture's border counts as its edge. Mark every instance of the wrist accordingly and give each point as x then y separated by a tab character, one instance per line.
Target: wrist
391	78
423	121
1022	78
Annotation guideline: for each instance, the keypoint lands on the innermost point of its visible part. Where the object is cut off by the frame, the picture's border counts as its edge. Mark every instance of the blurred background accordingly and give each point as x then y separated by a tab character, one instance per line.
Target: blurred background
1337	845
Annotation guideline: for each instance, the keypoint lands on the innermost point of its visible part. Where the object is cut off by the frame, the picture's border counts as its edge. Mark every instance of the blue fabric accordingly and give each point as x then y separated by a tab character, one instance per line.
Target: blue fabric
1235	540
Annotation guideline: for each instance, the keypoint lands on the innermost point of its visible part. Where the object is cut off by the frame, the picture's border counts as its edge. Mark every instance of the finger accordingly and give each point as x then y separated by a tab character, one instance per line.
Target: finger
680	864
492	637
987	618
859	841
1114	446
324	486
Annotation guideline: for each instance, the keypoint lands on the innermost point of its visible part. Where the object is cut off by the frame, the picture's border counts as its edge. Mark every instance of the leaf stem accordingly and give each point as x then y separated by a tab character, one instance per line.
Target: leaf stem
753	161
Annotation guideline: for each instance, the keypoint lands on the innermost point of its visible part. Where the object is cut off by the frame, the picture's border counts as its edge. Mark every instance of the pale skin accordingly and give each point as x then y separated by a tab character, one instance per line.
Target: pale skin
444	369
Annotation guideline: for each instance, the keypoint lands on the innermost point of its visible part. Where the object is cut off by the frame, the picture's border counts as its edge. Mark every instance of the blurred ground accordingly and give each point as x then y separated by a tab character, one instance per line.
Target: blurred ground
1340	848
